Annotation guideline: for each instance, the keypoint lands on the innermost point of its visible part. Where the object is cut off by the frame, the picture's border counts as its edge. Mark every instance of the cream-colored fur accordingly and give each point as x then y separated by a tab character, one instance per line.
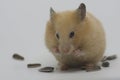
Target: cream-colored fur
89	37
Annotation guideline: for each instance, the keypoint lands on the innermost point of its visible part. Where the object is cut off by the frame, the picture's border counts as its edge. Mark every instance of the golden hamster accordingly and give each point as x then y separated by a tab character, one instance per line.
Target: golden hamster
75	37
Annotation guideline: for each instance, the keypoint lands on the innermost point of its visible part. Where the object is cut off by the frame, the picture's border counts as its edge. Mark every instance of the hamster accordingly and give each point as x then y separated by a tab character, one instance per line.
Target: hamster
75	37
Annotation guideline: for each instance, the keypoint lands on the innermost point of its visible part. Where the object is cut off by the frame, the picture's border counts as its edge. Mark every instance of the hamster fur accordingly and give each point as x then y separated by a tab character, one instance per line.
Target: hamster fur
75	37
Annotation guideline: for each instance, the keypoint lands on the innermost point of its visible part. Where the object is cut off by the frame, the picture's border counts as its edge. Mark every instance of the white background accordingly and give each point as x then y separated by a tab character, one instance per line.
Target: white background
22	29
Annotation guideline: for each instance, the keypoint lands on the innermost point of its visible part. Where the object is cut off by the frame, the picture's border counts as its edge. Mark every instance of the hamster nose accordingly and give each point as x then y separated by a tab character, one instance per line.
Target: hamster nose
65	50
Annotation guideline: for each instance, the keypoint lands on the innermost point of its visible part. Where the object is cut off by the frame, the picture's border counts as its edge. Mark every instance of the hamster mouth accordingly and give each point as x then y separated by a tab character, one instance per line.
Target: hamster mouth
71	49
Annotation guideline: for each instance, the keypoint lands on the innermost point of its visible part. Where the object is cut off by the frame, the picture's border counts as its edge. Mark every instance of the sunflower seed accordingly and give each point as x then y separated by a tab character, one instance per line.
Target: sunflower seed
47	69
34	65
112	57
18	57
105	64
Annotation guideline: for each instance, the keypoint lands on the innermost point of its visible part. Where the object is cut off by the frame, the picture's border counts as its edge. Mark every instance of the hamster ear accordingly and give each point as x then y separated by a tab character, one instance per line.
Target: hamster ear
52	13
81	11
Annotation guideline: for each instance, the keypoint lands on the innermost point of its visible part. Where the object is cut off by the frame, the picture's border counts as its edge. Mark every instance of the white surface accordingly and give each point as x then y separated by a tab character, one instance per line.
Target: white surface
22	28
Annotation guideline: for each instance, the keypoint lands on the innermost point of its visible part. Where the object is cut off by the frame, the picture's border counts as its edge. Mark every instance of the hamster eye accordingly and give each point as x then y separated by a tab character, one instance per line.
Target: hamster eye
71	35
57	35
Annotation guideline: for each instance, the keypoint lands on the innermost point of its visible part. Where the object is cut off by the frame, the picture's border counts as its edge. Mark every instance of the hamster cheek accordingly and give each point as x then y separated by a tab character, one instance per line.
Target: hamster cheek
55	50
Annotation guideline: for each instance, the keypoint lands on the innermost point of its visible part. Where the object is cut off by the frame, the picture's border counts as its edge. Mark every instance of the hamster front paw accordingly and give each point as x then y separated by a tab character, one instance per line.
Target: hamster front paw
92	67
78	53
55	50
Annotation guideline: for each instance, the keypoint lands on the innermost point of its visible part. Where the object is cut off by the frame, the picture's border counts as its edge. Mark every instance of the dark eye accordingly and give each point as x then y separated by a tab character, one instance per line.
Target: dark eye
57	35
71	35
